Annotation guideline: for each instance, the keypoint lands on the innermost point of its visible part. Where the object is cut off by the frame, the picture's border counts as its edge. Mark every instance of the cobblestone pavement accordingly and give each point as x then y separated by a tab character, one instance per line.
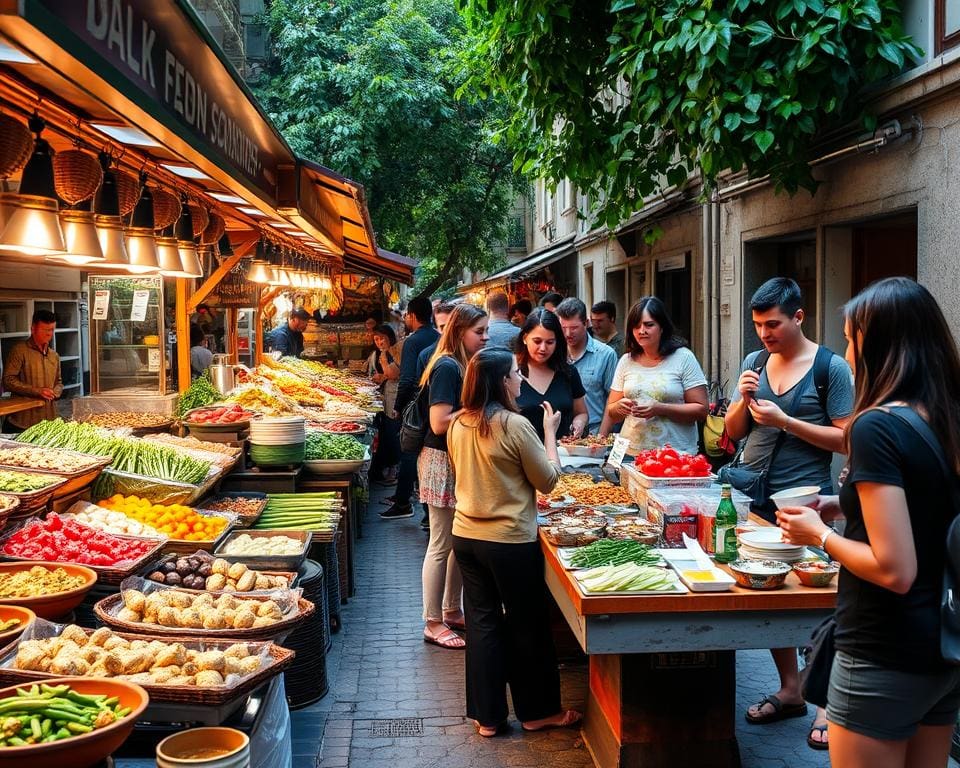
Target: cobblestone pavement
380	670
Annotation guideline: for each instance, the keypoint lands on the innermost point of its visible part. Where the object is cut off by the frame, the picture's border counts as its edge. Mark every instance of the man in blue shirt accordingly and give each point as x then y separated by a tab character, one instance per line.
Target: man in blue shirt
288	338
421	334
502	332
594	360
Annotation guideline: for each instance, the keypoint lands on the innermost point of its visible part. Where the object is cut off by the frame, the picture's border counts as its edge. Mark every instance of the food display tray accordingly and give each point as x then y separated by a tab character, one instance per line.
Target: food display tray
646	481
588	451
244	520
290	576
268	562
106	575
34	501
173	694
76	480
105	609
185	547
679	588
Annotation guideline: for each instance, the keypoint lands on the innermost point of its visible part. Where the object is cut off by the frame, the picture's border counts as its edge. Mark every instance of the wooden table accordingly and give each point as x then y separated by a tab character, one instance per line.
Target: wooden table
340	484
662	667
17	403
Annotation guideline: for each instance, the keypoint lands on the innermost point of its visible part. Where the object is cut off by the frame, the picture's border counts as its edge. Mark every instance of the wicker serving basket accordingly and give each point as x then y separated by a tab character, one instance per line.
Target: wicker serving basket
16	143
106	609
200	217
166	208
214	230
77	175
128	192
281	658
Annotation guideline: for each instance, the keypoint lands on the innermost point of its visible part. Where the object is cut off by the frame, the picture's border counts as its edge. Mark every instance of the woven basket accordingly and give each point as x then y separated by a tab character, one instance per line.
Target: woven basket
280	659
214	230
201	218
128	192
16	143
105	610
77	175
166	208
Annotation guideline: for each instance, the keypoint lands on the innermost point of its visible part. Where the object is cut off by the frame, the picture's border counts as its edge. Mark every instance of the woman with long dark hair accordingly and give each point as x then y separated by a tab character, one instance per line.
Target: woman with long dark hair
500	464
659	391
384	367
892	700
464	335
541	351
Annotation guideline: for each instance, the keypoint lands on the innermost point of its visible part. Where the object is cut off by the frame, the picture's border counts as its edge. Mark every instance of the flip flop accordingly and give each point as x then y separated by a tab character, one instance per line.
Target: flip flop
780	712
489	731
570	718
448	639
813	743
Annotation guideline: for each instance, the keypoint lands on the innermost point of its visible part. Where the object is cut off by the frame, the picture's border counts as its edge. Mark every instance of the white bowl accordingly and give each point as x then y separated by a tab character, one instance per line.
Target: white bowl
803	496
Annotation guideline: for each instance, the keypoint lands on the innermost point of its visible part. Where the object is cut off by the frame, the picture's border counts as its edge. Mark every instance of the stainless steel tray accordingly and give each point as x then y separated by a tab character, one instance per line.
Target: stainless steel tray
267	562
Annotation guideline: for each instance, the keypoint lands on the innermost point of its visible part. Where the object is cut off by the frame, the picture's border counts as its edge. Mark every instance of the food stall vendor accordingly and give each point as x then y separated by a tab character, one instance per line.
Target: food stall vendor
33	370
288	338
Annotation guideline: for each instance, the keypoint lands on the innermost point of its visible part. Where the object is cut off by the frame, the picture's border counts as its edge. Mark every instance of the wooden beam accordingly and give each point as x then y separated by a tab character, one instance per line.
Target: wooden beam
183	333
221	272
232	335
268	295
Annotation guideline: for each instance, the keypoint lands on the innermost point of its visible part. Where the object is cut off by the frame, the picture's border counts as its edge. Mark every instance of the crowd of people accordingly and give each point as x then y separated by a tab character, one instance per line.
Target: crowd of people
498	387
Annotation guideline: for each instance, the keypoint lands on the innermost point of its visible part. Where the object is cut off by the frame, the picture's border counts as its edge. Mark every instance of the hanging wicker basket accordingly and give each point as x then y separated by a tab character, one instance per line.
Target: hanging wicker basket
128	192
77	175
200	216
214	230
16	143
166	208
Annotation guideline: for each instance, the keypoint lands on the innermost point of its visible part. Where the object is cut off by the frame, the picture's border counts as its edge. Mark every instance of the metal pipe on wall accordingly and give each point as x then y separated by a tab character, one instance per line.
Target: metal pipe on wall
706	250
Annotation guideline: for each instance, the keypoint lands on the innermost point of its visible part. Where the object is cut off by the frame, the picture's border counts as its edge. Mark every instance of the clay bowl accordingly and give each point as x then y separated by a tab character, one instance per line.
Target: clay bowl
58	604
86	749
760	574
816	573
206	747
8	612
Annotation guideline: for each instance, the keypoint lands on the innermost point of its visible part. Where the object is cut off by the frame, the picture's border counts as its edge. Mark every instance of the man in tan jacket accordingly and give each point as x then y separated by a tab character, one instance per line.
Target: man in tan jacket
33	370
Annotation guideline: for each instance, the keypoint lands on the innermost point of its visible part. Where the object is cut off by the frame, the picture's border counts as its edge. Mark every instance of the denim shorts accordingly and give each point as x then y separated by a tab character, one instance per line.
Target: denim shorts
873	700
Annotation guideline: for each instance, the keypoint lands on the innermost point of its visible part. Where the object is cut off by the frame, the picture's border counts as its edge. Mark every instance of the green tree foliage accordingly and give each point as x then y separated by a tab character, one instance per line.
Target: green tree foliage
369	88
626	97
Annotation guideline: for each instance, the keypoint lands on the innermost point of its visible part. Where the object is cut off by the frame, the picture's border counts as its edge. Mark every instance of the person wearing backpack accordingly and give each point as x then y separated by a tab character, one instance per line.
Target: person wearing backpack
894	689
791	427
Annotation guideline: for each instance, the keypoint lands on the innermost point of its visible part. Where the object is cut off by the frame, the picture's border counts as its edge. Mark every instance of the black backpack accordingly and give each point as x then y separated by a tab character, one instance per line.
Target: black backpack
821	372
414	422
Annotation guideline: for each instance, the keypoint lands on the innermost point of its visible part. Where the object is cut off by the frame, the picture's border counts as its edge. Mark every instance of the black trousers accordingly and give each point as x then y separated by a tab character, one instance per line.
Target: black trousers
508	631
388	447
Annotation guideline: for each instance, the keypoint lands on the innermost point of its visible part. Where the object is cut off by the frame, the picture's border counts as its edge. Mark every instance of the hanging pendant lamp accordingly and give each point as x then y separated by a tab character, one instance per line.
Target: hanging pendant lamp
141	241
108	223
189	258
169	255
81	238
33	227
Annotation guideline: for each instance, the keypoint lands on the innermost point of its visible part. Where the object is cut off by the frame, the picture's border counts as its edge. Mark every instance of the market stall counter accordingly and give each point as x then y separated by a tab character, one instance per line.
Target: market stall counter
349	522
17	403
662	666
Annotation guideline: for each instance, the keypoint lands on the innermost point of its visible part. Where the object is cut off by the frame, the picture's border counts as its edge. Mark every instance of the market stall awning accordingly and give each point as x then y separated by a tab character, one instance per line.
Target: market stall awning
532	263
146	77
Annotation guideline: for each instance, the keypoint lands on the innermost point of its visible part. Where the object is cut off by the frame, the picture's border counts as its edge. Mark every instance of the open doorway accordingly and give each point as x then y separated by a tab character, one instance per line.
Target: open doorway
793	255
617	290
673	288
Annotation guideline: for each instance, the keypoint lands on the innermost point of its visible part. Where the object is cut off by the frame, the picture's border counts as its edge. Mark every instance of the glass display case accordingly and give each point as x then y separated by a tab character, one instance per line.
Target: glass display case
126	329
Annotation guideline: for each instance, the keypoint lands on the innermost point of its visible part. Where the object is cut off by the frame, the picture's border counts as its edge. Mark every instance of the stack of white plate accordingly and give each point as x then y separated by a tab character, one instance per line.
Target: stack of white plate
768	544
278	430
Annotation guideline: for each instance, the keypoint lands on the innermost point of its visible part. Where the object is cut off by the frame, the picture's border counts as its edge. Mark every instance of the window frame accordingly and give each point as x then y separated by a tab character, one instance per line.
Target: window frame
943	41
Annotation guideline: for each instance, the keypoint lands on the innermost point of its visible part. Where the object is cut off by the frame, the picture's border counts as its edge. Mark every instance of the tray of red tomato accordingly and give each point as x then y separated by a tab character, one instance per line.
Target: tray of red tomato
219	418
659	467
342	427
59	540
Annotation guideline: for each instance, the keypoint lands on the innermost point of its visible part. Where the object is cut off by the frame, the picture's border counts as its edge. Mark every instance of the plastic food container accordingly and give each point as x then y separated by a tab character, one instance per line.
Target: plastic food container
267	562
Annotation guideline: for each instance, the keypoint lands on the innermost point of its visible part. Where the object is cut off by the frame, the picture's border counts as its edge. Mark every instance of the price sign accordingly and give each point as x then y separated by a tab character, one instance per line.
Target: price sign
153	360
101	304
620	445
138	310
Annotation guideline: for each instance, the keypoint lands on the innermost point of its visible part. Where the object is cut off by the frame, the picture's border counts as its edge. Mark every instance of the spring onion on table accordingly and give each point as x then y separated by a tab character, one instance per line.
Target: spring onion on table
628	577
301	512
613	552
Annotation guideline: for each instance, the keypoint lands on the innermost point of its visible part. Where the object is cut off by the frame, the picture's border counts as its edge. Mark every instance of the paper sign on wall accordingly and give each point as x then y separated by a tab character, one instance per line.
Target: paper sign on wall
101	304
620	445
153	360
138	311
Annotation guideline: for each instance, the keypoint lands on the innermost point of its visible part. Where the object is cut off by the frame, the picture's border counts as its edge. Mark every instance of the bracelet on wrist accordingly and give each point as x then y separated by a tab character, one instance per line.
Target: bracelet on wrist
824	536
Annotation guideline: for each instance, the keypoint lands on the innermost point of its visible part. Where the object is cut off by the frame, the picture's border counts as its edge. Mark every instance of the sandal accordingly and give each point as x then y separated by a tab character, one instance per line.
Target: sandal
446	639
780	711
489	731
823	744
459	626
570	718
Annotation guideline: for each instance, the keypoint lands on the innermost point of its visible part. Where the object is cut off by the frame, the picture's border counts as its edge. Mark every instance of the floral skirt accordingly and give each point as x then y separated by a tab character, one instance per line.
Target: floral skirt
436	478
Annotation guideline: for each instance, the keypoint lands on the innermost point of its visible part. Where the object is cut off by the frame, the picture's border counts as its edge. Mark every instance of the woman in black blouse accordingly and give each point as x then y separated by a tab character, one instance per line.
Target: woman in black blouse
548	377
892	700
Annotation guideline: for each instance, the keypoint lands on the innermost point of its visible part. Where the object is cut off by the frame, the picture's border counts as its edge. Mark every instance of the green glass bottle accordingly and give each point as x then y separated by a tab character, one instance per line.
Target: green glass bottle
725	528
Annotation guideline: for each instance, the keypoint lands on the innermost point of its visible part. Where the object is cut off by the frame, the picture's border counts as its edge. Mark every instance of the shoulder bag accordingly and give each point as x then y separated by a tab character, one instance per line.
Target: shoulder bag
413	423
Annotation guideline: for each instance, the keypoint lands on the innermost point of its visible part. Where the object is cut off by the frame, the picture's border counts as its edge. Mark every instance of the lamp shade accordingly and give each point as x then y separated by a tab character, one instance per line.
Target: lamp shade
190	259
112	244
259	272
169	257
32	227
81	238
142	251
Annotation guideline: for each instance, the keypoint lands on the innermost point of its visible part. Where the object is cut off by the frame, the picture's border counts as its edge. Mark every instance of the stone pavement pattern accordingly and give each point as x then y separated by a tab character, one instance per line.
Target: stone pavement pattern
380	669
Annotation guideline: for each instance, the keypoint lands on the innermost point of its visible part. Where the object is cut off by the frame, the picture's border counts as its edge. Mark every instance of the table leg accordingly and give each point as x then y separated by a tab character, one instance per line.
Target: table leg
662	710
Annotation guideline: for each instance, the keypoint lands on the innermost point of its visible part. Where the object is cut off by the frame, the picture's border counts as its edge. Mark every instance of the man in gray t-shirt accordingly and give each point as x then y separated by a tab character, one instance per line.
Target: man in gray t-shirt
760	411
501	332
